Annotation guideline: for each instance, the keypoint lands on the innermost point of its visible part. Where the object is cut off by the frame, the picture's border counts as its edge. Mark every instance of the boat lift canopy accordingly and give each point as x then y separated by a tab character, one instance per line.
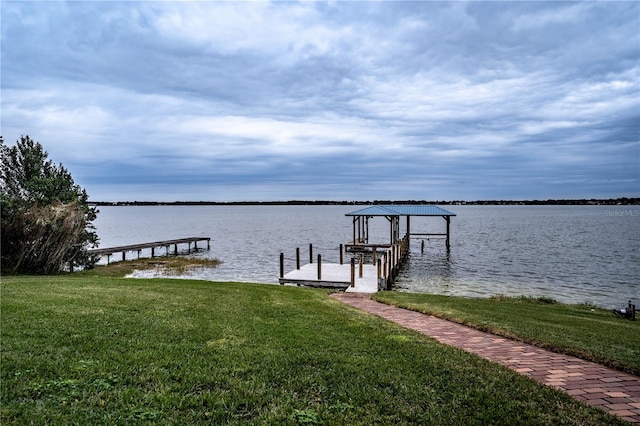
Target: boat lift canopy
393	212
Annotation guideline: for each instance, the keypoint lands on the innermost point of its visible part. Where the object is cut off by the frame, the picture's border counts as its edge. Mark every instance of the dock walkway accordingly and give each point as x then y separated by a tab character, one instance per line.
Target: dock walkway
612	391
355	276
334	275
109	251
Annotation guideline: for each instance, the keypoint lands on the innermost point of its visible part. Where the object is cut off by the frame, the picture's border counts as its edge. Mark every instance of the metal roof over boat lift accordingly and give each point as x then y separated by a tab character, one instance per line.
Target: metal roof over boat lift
401	210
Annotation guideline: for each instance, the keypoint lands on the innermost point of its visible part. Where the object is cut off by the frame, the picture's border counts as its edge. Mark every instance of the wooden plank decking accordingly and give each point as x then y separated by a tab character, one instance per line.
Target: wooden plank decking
334	275
367	278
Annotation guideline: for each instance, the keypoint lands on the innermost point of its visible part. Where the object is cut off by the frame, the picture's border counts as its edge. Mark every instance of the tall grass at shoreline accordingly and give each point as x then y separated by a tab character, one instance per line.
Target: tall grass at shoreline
86	350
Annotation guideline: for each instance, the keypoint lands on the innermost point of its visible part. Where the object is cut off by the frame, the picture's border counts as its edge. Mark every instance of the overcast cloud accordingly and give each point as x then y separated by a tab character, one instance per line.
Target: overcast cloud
230	101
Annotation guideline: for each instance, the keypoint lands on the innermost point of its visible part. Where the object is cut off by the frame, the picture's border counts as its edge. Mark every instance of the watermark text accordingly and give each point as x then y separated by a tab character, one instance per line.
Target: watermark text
622	213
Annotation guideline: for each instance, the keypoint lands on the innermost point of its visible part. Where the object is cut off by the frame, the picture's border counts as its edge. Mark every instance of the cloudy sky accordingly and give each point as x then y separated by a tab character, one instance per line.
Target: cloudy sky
231	101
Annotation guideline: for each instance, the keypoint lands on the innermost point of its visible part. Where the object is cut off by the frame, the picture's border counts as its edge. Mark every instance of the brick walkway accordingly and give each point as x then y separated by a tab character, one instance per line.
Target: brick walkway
610	390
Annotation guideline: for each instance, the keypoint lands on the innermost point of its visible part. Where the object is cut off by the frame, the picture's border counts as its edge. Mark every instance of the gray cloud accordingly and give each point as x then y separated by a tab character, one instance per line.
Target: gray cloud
337	100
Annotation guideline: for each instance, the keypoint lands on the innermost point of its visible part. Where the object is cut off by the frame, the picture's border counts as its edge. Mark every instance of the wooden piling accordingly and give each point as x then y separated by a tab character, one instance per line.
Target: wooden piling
448	219
310	253
389	265
341	255
319	267
353	272
281	265
297	257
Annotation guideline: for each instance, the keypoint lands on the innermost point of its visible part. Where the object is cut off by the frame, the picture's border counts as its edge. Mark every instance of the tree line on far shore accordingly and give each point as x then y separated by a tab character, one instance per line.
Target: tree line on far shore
576	202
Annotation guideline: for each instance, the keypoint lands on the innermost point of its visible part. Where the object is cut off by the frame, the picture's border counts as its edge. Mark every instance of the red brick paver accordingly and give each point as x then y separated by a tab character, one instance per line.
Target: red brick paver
610	390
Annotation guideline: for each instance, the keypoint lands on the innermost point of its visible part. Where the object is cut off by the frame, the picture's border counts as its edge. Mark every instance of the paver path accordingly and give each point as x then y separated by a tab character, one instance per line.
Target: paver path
610	390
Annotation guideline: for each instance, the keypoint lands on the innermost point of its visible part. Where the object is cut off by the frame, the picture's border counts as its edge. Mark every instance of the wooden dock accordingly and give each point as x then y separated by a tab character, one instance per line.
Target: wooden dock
109	251
355	276
334	275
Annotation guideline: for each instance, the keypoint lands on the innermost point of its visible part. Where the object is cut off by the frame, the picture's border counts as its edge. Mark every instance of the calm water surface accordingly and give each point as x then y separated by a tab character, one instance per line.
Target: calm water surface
575	254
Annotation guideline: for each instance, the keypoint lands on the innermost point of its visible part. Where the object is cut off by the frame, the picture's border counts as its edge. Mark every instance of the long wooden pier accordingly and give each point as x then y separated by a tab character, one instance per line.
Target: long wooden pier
109	251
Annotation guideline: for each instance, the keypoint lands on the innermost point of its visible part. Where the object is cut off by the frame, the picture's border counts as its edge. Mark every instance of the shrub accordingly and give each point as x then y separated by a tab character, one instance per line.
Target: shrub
46	219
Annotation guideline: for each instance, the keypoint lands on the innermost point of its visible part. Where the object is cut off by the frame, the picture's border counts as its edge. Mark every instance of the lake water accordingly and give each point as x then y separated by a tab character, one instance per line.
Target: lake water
574	254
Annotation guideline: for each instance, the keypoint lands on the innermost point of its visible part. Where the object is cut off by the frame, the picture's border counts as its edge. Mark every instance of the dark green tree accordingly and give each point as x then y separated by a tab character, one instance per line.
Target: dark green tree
46	218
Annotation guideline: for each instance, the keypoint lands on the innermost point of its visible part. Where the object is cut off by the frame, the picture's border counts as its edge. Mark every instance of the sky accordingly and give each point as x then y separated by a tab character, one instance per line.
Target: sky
338	100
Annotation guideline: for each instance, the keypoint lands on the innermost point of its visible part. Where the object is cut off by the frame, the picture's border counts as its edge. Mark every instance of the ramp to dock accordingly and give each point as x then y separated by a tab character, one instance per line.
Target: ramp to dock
334	275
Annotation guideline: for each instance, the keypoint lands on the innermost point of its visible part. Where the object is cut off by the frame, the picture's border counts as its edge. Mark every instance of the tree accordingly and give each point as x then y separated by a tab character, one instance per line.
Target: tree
46	218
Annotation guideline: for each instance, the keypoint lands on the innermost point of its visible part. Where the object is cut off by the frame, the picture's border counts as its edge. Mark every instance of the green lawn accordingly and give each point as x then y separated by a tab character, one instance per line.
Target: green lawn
81	349
581	330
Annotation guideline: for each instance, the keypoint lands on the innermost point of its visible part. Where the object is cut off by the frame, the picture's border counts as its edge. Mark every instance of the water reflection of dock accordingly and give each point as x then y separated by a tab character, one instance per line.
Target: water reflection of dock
385	259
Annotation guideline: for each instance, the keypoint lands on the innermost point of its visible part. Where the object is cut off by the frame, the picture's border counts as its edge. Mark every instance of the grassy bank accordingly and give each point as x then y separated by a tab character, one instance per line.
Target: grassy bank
103	350
581	330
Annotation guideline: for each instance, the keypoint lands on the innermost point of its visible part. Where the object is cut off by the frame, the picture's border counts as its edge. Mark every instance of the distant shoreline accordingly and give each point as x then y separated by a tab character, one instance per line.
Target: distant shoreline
623	201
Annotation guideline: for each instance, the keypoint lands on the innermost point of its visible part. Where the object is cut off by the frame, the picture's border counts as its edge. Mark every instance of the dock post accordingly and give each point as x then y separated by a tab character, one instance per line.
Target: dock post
208	243
384	265
379	271
394	259
108	258
360	266
422	247
310	253
353	272
153	252
341	258
374	255
319	267
281	265
390	266
139	253
297	257
448	219
175	249
123	255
